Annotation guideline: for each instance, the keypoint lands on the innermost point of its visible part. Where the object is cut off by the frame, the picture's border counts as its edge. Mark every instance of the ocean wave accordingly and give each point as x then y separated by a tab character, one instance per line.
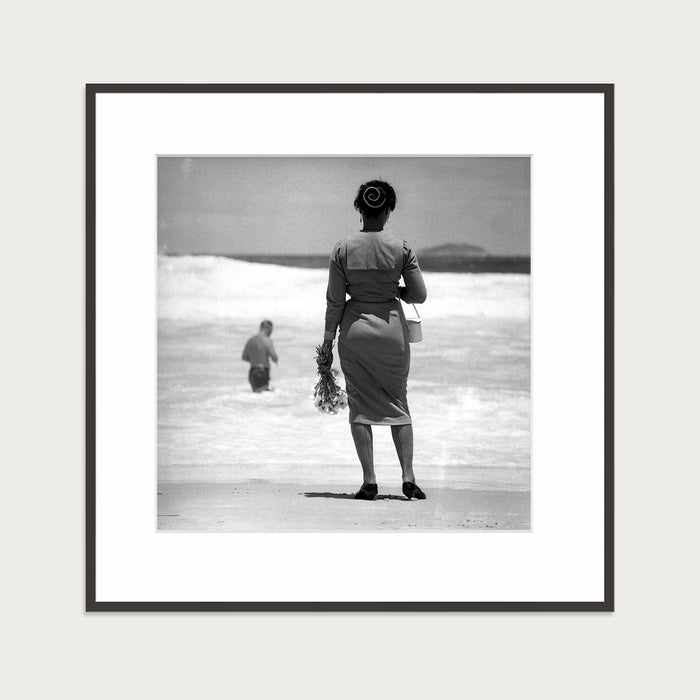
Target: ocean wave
210	288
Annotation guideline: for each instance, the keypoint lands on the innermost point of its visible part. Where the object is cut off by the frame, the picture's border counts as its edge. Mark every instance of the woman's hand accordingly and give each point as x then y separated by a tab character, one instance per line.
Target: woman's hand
324	355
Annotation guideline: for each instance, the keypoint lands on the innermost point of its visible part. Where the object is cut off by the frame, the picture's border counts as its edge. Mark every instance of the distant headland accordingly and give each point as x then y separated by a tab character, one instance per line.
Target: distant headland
465	257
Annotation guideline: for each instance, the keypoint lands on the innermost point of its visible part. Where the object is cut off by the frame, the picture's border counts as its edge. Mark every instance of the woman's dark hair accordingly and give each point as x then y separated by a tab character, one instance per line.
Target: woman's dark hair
375	197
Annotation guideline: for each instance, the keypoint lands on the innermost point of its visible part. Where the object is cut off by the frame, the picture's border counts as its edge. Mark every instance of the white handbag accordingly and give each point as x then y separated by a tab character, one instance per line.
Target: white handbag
415	330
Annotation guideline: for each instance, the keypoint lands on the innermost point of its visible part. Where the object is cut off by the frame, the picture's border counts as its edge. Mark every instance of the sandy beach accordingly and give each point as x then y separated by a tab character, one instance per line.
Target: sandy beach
267	506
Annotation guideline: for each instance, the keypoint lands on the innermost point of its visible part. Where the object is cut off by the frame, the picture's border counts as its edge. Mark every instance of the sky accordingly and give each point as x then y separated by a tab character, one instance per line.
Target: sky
304	205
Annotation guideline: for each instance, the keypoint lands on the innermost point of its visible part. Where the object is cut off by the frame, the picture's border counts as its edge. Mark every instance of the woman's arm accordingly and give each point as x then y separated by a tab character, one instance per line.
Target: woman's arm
414	292
335	295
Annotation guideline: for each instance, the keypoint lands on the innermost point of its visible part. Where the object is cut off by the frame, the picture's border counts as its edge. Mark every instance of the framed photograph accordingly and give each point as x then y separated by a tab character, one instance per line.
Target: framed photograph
349	347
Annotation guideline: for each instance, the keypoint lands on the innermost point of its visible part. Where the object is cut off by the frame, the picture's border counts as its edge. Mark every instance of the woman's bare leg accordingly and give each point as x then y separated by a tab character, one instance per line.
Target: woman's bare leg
403	441
362	435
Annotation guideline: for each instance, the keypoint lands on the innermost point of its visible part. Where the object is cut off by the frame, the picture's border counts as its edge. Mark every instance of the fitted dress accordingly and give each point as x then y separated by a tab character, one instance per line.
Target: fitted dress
373	347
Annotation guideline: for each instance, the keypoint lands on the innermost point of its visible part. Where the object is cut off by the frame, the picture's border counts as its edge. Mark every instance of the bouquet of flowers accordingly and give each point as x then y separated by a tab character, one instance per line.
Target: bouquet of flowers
328	396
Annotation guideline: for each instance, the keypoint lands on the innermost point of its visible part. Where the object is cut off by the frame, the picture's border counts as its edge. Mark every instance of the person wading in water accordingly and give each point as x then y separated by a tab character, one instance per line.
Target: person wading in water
259	350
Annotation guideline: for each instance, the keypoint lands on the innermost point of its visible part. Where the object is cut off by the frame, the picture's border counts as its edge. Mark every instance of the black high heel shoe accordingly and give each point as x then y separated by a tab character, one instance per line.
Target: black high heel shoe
367	492
410	490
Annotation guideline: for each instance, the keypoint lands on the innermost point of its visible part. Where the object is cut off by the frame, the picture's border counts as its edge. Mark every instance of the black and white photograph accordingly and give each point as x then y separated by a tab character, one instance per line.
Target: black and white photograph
343	343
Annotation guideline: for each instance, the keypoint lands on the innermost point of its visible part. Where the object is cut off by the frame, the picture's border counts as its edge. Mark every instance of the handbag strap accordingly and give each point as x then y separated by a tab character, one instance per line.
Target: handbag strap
416	310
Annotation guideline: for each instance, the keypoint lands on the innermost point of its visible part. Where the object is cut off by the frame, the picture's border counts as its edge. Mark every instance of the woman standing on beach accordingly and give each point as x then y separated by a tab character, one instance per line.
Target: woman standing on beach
373	343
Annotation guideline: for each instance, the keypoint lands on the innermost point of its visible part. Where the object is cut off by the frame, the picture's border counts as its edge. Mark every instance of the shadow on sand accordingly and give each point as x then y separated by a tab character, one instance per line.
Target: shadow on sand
328	494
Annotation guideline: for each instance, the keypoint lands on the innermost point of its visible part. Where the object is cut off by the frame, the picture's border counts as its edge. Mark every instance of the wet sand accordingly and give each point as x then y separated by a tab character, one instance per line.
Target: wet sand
266	506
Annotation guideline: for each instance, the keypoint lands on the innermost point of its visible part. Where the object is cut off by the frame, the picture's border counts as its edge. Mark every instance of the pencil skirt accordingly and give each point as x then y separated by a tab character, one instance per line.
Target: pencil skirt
375	357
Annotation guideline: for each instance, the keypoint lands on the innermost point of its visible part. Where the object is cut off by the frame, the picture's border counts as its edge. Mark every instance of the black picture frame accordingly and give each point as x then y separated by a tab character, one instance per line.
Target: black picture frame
93	605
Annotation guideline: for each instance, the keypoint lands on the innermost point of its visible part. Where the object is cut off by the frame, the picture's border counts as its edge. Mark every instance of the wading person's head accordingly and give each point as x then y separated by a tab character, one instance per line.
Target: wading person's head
266	327
375	201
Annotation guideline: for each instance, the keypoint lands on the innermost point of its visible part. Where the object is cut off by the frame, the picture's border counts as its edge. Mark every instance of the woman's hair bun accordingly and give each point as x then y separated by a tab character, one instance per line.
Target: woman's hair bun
374	197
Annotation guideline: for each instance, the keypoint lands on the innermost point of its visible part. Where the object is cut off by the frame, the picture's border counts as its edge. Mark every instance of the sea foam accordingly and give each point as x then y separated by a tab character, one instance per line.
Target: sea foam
210	288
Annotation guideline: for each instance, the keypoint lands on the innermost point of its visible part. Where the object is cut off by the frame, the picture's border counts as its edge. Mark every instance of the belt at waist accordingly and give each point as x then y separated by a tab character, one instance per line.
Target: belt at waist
372	301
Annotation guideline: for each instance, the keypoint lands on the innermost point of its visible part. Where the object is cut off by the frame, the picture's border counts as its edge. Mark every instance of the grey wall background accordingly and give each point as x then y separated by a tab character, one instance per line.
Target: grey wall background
645	649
